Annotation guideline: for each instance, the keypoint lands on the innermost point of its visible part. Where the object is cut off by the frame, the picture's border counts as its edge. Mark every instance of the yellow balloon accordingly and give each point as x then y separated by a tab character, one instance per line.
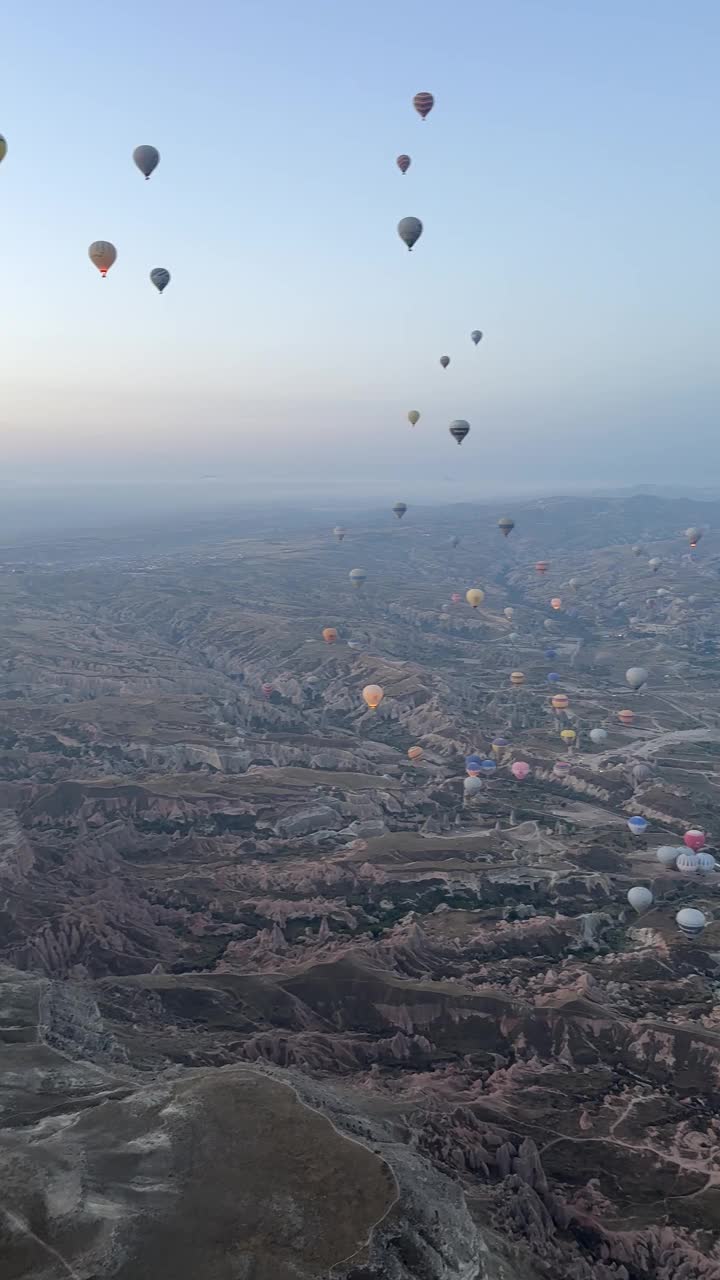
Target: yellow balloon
475	596
373	695
568	735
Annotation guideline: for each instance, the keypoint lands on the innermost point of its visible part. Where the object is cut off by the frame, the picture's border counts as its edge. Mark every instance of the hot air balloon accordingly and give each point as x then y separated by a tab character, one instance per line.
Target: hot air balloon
373	695
553	677
509	613
499	745
473	765
514	635
267	690
636	677
693	536
459	429
637	550
637	825
413	417
598	735
400	508
454	541
626	716
403	163
654	563
410	231
506	525
562	767
423	104
160	278
667	854
550	654
329	635
568	735
662	591
574	584
475	596
556	603
476	336
415	753
690	921
147	159
472	786
560	702
520	770
640	898
687	862
456	597
517	678
357	577
102	253
706	862
641	773
339	532
487	767
694	839
444	360
542	566
3	147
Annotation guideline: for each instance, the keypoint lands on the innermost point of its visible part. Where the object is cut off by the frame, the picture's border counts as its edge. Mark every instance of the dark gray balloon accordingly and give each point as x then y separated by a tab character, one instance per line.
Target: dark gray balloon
160	278
410	231
147	159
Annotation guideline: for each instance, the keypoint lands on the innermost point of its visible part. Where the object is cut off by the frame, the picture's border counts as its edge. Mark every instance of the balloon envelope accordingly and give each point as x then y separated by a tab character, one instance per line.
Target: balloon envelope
357	577
3	147
415	753
691	921
694	839
329	635
410	231
506	525
637	825
598	735
403	163
706	862
339	532
636	677
459	429
509	612
423	103
473	764
475	596
373	695
640	898
147	159
560	701
444	360
556	602
667	854
476	336
520	770
400	508
102	253
413	417
687	862
472	785
160	278
517	677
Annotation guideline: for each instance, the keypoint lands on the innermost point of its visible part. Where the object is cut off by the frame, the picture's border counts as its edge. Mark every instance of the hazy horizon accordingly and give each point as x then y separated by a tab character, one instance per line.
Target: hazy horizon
568	194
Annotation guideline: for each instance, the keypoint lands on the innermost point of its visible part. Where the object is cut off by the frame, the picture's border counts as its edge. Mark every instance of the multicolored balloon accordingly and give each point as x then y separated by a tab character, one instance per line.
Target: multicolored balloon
506	525
160	278
459	429
403	163
357	577
423	104
637	825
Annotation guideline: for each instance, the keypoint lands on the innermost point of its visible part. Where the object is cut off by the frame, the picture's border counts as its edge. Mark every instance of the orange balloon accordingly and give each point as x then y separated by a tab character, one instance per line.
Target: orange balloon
626	717
329	635
560	701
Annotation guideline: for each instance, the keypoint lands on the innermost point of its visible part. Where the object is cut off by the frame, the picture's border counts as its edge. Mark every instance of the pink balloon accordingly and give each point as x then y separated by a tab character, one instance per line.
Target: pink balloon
694	839
520	770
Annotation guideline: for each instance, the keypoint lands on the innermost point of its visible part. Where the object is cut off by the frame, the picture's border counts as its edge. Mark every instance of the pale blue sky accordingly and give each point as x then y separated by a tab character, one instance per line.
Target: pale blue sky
567	179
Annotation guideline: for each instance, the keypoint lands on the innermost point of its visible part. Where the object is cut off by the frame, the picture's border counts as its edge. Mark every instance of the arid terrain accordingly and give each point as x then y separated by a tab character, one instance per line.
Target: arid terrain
278	1003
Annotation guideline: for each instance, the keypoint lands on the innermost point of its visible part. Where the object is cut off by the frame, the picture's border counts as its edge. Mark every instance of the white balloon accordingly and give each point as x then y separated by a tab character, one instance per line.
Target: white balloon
690	920
667	854
640	898
687	862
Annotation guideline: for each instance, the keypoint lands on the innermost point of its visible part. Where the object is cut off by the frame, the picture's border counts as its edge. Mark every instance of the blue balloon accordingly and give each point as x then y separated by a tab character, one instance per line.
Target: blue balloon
473	764
487	766
637	825
500	742
553	677
550	653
